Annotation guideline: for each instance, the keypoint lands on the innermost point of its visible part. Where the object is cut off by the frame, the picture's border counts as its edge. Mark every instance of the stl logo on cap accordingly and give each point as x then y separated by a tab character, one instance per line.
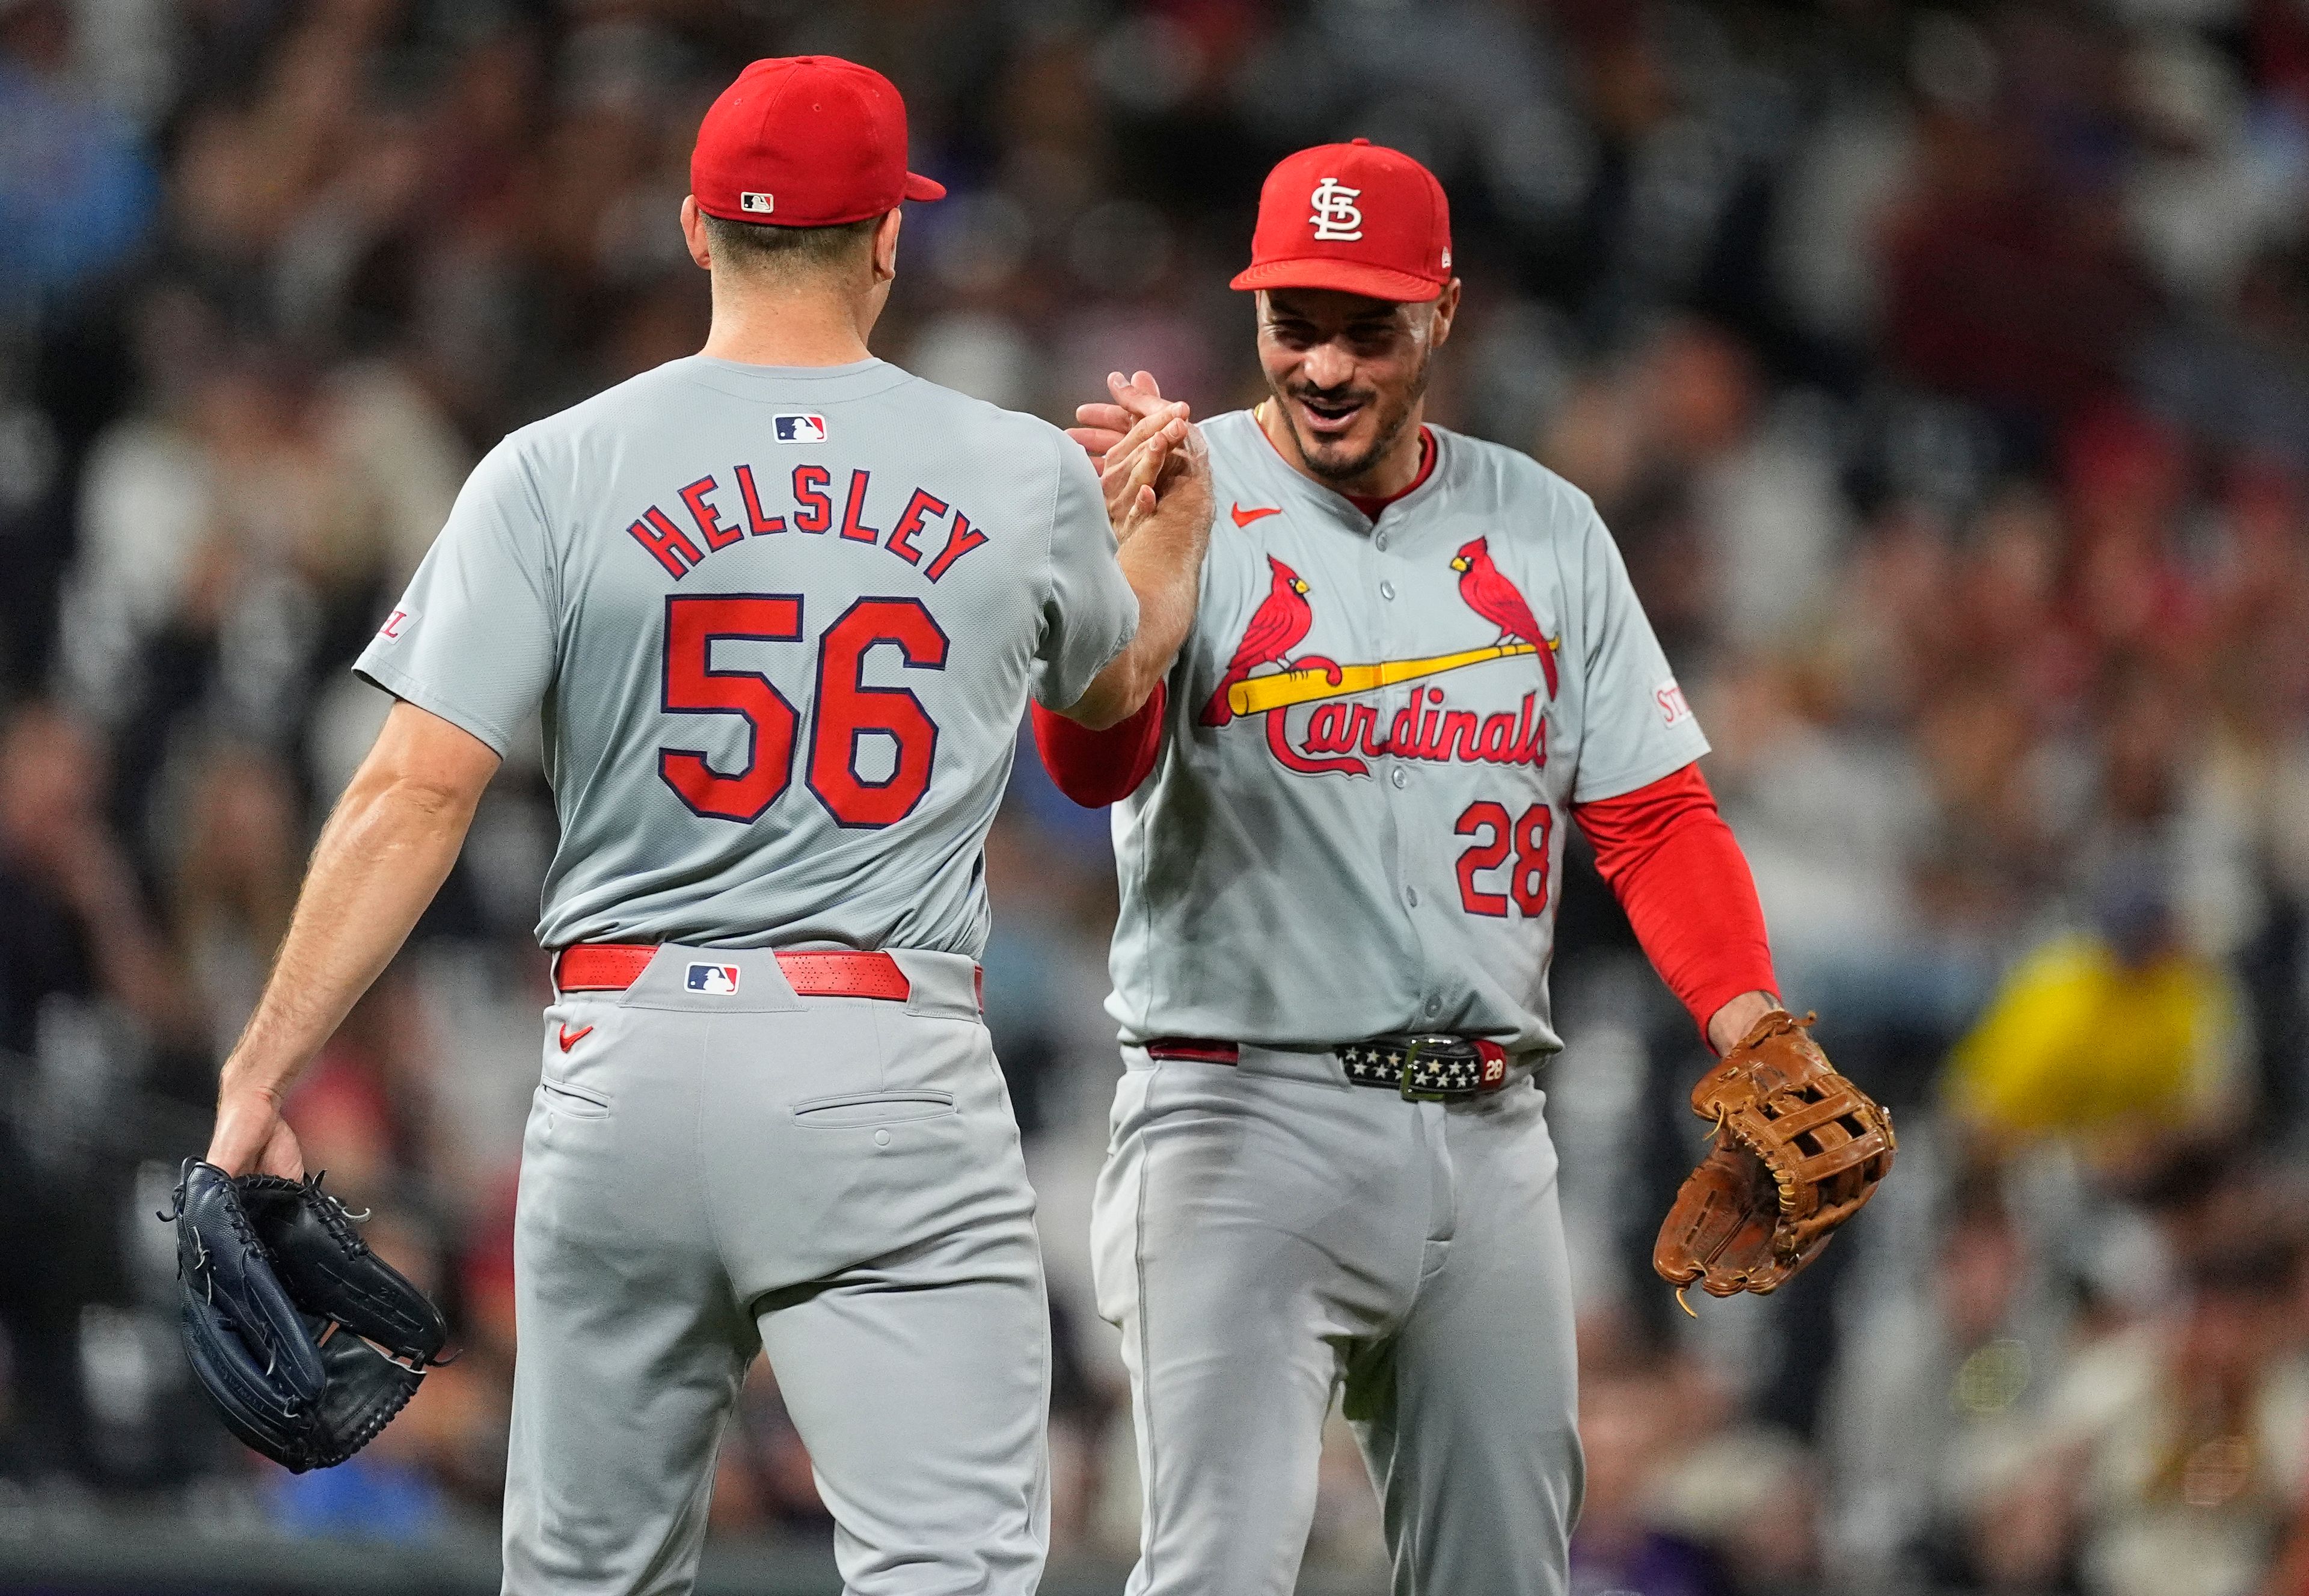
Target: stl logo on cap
1335	215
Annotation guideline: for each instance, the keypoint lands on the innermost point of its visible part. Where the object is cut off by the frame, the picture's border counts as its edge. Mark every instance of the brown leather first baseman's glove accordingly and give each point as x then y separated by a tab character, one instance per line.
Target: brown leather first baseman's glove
1798	1150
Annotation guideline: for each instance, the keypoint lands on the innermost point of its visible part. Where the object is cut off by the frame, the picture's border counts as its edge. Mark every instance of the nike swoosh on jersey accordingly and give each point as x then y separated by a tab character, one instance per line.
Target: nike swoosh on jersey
570	1038
1243	517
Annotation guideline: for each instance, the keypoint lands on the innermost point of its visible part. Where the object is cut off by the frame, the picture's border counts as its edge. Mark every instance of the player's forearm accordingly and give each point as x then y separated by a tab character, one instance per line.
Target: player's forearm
1678	873
1099	768
384	854
1164	563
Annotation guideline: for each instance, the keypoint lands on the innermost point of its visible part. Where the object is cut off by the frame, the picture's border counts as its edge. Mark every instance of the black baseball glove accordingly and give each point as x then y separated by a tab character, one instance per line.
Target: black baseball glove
309	1342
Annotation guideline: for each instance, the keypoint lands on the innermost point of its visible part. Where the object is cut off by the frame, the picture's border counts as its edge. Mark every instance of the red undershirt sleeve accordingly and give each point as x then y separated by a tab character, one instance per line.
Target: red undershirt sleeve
1678	873
1096	769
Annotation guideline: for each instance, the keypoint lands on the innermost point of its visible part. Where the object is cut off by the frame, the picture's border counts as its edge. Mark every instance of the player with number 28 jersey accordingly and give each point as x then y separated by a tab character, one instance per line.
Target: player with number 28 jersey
1417	662
1385	794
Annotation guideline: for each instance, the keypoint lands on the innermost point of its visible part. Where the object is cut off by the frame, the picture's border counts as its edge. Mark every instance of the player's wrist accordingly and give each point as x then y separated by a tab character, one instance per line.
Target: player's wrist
248	1079
1736	1018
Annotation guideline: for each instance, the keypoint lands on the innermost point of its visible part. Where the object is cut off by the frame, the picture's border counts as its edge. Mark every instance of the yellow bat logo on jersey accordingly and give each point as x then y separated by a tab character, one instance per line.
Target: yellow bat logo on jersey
1312	684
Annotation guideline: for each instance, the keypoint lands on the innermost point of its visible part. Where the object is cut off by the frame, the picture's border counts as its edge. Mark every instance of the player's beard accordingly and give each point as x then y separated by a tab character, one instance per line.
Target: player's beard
1390	418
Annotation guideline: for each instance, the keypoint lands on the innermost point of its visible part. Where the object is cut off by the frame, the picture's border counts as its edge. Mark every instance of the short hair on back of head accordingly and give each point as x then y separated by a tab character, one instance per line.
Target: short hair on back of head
752	244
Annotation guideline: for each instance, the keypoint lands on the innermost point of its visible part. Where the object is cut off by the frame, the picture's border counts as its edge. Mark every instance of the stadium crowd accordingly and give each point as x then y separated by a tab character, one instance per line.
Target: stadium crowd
1942	371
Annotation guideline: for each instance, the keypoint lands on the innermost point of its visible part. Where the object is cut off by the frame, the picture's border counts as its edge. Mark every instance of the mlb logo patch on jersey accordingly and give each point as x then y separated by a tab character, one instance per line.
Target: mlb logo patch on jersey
799	429
714	980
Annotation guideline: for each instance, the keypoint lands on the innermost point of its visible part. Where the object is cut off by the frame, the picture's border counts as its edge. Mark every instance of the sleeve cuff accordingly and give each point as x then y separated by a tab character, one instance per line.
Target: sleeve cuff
1595	789
1129	632
411	690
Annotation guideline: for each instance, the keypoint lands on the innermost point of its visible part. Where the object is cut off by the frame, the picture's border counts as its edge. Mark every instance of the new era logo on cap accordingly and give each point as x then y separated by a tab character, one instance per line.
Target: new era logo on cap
803	429
715	980
761	204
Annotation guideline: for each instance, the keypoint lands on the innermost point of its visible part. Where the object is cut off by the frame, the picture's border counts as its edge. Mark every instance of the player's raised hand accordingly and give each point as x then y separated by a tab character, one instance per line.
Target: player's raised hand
1131	502
1139	468
1103	425
1172	474
1169	479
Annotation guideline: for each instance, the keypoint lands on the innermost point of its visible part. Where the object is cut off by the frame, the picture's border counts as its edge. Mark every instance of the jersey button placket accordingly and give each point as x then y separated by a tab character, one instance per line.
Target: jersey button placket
1391	646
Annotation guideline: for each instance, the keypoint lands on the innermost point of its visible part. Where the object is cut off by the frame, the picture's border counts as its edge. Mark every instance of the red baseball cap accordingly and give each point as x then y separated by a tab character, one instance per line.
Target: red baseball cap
1358	217
805	141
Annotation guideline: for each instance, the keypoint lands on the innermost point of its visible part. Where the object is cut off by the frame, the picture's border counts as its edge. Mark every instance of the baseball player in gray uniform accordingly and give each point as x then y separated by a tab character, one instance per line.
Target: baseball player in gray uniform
782	606
1338	839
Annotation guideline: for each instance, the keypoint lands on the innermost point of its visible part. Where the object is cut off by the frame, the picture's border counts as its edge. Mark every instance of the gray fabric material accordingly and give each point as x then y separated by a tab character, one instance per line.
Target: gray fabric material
1263	1235
837	1182
1261	903
539	595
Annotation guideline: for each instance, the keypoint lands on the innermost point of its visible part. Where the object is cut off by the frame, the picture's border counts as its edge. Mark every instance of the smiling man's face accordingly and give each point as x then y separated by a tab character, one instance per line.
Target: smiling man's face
1348	371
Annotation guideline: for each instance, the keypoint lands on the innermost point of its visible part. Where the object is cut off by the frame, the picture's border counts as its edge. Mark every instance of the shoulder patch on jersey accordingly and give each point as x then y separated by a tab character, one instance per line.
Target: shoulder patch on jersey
396	623
1674	708
799	429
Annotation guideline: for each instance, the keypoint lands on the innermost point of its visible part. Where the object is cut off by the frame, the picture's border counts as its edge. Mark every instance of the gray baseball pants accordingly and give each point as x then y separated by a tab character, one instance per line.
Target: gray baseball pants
836	1182
1264	1233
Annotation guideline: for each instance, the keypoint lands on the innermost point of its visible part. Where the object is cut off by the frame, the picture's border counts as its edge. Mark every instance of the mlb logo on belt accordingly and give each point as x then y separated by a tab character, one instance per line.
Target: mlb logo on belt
715	980
799	429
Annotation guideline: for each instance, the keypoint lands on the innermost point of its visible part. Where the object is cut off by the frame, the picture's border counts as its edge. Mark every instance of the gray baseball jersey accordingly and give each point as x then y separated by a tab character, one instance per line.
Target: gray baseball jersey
1373	735
1354	828
782	623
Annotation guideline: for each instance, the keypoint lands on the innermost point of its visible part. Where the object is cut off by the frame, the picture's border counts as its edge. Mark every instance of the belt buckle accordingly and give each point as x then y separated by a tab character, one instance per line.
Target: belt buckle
1413	1047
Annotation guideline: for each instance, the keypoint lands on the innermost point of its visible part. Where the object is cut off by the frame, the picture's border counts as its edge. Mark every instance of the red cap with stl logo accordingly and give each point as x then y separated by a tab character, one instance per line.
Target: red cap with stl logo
805	141
1358	217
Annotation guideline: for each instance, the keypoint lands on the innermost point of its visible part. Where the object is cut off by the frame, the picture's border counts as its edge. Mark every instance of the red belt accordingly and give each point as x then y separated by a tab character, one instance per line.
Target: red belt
613	966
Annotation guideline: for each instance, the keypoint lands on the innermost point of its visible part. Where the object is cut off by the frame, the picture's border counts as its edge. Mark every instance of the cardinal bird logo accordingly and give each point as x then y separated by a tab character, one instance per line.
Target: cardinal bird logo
1275	628
1490	595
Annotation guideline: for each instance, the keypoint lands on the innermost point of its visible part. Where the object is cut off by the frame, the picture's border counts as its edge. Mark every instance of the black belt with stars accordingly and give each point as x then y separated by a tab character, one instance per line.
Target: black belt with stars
1416	1067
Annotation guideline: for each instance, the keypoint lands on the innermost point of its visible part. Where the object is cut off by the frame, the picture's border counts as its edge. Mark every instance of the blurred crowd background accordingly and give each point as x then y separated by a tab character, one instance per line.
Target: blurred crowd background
1944	372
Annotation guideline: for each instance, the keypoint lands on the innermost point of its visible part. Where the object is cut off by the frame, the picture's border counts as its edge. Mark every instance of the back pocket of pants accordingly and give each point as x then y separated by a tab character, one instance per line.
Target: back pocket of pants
872	1108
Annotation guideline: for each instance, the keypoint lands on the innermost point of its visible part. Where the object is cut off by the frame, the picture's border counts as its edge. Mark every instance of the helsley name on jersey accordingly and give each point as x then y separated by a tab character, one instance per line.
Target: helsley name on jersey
806	506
